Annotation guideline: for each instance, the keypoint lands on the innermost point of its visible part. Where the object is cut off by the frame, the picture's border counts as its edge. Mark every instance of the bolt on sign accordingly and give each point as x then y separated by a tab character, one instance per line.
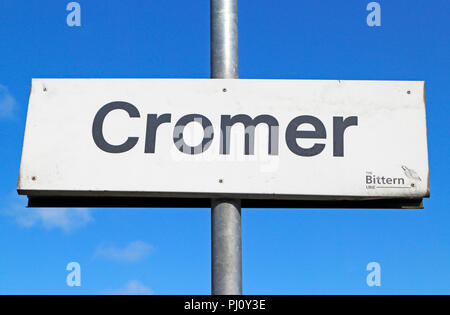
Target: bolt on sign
270	143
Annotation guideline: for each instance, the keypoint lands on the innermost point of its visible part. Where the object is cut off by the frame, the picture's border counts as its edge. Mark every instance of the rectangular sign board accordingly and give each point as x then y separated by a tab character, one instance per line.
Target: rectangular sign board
270	143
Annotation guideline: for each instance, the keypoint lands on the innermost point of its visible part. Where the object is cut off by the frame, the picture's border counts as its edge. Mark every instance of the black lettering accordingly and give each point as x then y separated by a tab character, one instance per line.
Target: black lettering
292	134
249	124
208	134
339	126
153	122
97	127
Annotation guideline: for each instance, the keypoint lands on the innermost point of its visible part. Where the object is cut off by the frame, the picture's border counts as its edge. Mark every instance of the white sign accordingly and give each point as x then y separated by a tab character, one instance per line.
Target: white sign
248	139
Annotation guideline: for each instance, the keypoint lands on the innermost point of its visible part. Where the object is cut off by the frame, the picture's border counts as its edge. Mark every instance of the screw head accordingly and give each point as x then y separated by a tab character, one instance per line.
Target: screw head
33	178
221	181
408	92
224	90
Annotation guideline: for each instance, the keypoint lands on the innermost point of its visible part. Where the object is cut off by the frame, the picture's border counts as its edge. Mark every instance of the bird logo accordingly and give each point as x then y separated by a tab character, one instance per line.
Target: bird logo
410	173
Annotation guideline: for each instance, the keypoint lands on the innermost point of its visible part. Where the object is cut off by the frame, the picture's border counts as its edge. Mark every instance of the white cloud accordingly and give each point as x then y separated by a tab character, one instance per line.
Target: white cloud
7	102
48	218
62	218
133	288
133	252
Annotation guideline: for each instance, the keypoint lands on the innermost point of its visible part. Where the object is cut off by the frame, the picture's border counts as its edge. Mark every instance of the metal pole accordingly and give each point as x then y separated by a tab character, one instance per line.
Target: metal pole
226	248
224	39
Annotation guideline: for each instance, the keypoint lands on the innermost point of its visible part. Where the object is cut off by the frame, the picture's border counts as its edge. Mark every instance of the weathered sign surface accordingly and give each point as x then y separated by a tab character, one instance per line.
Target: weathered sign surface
266	140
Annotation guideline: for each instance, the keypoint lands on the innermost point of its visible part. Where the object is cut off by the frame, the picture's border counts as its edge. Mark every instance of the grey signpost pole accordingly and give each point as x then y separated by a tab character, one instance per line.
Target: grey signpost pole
226	249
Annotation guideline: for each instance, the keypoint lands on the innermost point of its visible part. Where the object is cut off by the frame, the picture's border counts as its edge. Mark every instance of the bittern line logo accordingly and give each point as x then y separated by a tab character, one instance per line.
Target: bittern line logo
374	181
292	134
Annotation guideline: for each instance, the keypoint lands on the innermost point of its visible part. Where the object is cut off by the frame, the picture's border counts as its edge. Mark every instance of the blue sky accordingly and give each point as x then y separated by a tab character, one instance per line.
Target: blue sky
167	251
